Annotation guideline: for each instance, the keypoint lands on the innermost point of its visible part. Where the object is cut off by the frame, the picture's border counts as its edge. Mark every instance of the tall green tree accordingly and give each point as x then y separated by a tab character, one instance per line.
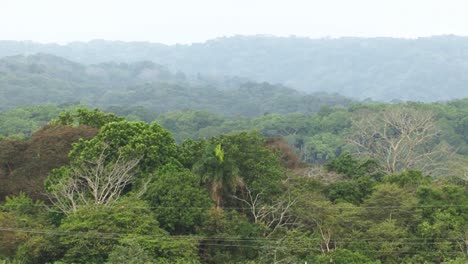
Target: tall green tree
150	142
219	172
92	233
180	203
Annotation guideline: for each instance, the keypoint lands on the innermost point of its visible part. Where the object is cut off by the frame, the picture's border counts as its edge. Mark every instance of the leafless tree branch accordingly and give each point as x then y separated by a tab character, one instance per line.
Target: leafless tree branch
274	215
400	138
95	181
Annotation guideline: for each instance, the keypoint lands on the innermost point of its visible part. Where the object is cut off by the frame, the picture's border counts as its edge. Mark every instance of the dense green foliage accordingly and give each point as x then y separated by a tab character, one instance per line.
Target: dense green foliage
427	69
21	122
229	195
182	206
204	168
138	87
323	136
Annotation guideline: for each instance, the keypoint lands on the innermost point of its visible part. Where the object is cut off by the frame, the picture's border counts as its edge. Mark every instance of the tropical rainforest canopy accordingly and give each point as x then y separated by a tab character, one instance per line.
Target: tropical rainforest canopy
135	162
85	186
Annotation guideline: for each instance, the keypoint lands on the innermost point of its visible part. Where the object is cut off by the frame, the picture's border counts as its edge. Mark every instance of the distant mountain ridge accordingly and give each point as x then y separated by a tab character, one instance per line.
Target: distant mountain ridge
424	69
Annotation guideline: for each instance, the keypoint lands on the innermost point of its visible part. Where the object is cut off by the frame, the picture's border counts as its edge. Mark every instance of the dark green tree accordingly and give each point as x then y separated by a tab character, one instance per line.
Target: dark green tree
153	144
94	231
180	203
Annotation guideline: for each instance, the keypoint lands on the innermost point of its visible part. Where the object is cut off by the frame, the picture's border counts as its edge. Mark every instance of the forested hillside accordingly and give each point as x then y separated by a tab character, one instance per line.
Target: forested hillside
424	69
370	183
172	161
47	79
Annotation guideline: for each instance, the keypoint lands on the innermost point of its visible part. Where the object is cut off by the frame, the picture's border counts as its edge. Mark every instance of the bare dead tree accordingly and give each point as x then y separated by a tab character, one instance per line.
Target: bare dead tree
400	138
65	195
95	181
326	238
326	227
105	182
463	242
465	175
272	216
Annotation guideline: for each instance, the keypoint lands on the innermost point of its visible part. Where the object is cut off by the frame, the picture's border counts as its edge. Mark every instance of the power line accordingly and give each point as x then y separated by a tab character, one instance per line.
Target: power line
114	235
246	208
253	244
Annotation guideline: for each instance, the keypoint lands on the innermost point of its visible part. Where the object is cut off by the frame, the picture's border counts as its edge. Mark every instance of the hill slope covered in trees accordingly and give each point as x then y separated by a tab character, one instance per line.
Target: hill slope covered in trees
424	69
48	79
92	187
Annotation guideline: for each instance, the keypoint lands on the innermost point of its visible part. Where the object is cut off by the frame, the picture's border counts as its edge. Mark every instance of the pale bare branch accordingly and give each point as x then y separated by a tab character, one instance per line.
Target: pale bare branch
400	138
272	216
97	181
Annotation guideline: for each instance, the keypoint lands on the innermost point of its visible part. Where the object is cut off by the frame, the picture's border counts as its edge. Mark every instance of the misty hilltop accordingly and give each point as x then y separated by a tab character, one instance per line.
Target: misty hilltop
385	69
48	79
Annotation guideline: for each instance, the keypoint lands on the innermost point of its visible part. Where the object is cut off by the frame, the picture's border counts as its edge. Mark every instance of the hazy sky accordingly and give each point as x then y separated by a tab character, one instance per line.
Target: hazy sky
185	21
